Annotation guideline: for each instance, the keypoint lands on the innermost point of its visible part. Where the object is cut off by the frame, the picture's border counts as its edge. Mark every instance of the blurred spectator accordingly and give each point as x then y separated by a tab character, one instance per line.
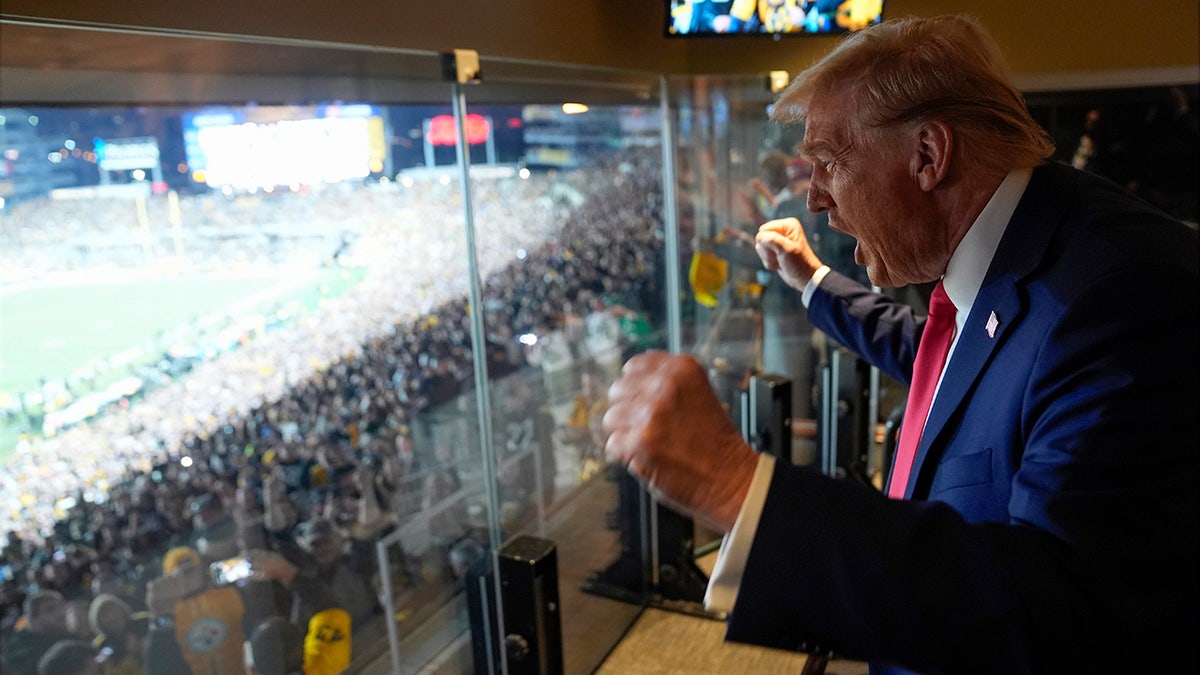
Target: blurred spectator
42	624
755	201
277	648
320	640
1105	149
77	619
111	621
525	451
581	430
1172	156
280	513
345	567
214	532
69	657
12	598
207	619
440	483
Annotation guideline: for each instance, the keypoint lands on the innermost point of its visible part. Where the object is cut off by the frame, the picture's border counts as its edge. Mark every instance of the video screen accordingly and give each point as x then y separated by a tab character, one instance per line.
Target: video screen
770	17
269	146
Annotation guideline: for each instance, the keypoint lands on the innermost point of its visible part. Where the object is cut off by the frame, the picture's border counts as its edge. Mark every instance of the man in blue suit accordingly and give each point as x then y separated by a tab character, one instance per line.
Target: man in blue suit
1050	518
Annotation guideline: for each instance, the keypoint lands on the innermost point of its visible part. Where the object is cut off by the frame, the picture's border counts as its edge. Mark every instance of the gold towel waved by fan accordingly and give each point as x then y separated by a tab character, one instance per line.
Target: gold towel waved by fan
709	272
707	275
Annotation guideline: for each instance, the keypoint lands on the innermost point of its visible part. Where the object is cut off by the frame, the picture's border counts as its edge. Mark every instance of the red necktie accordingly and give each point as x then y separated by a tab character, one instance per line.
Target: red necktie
931	358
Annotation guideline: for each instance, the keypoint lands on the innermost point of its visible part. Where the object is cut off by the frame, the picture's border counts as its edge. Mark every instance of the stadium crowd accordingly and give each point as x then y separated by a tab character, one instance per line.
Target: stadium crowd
303	447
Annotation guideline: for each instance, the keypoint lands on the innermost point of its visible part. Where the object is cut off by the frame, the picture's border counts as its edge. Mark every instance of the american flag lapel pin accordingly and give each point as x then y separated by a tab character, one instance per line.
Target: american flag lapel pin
993	322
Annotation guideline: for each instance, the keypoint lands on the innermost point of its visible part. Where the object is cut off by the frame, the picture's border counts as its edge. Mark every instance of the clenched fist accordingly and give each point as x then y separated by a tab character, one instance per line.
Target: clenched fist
667	427
783	247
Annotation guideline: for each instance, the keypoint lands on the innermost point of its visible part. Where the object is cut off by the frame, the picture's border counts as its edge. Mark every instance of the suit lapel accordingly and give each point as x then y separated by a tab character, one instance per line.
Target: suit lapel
969	361
1021	249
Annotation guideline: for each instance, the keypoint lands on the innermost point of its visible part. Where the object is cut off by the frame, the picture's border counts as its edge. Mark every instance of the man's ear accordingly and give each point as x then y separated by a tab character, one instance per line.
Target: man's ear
935	146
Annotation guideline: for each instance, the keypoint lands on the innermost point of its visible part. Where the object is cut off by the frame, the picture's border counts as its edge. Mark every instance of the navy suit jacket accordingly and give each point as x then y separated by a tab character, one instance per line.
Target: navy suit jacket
1052	515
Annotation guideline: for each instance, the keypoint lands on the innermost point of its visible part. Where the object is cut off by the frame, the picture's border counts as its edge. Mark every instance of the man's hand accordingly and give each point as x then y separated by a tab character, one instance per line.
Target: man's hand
164	592
782	246
667	427
270	566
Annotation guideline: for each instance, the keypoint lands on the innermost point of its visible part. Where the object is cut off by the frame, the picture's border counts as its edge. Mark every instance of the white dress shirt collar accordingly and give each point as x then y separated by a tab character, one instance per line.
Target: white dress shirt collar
970	261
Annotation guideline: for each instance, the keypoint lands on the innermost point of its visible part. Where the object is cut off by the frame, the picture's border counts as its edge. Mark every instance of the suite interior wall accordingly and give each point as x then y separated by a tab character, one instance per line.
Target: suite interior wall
1064	36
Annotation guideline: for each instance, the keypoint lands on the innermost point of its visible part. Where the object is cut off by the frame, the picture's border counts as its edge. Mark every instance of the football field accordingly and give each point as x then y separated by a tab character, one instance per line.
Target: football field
54	332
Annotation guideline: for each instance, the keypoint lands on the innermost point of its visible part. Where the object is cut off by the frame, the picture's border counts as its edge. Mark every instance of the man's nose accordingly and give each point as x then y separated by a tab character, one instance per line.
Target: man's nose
818	200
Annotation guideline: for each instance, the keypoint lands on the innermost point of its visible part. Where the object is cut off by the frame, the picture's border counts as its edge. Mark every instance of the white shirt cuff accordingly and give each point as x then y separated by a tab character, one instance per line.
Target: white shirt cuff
812	284
726	577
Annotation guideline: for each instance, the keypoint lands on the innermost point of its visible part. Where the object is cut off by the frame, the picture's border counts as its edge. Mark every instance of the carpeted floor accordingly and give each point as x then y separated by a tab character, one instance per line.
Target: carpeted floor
671	643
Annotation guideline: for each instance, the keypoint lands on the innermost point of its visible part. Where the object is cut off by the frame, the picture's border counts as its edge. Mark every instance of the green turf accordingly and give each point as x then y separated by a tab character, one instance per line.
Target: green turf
53	331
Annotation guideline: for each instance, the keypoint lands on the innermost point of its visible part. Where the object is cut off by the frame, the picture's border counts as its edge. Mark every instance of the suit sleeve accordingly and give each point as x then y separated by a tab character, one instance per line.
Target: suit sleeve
884	332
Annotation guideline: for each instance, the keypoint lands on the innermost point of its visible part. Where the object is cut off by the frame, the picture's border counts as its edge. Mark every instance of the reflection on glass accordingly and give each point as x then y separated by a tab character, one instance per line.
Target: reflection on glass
735	171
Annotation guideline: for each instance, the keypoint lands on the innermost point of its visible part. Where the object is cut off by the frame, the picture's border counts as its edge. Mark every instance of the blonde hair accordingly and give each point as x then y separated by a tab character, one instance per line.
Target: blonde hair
912	71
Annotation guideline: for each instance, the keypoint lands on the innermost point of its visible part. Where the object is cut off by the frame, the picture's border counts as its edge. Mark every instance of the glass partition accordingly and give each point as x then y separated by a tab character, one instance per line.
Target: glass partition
563	305
250	293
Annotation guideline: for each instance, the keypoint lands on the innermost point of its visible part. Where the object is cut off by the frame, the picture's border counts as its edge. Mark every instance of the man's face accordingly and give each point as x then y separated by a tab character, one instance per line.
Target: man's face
324	545
866	181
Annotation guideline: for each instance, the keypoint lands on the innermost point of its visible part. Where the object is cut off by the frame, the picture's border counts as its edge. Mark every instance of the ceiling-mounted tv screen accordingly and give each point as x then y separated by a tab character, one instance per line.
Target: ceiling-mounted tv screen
687	18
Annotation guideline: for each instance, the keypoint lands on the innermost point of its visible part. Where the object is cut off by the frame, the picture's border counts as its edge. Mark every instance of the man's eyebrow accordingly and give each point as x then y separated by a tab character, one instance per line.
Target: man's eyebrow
811	148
